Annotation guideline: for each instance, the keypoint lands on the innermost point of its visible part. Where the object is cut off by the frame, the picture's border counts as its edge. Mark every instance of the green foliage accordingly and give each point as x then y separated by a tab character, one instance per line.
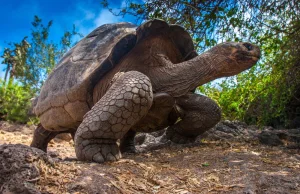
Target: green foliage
14	102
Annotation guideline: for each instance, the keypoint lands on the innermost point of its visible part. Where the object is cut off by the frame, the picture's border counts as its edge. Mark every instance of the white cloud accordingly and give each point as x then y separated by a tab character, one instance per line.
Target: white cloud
93	19
84	15
88	14
105	17
123	4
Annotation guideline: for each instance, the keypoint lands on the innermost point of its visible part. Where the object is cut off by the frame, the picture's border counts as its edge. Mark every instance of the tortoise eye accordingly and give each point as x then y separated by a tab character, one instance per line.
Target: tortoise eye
248	46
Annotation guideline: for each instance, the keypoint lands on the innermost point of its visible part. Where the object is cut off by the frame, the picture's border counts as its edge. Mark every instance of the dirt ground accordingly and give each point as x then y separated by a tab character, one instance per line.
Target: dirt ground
206	167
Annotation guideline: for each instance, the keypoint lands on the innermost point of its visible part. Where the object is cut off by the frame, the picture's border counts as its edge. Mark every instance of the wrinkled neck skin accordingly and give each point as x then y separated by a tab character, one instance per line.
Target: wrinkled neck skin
179	79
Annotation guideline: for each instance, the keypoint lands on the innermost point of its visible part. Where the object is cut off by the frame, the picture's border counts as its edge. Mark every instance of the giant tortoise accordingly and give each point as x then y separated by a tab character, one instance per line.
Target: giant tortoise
122	79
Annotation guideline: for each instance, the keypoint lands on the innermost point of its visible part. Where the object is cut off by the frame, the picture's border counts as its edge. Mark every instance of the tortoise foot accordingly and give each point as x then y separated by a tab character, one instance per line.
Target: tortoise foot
99	151
178	138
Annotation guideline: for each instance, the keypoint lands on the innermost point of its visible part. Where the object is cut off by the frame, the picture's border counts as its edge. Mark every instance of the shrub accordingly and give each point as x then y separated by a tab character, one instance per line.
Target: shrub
14	102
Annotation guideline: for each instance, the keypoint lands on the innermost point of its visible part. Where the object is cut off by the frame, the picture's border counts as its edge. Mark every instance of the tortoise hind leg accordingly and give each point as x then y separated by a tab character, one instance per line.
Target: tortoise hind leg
124	104
157	118
198	114
42	137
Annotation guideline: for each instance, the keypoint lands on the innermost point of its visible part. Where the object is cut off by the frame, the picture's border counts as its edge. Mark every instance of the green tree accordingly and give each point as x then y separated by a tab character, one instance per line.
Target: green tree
15	59
28	64
31	61
221	20
44	53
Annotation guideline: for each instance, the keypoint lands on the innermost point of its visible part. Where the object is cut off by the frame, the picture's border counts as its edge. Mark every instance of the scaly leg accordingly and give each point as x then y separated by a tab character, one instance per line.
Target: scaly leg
124	104
198	114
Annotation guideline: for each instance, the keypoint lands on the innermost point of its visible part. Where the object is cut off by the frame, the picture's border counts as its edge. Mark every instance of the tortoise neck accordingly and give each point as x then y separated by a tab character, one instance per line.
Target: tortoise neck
179	79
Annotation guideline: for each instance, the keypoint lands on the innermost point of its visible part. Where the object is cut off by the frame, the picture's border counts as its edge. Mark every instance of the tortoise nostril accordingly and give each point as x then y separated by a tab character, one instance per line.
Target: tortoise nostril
248	46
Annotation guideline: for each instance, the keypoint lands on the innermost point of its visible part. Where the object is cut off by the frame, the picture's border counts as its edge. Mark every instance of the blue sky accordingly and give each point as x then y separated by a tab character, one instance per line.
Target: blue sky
16	17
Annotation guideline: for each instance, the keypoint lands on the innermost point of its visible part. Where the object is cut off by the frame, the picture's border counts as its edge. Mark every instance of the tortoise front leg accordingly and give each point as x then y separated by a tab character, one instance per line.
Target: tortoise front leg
198	114
123	105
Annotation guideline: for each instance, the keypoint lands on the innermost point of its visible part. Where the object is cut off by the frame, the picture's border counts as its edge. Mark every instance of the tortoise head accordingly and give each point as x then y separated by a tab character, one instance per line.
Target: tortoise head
235	57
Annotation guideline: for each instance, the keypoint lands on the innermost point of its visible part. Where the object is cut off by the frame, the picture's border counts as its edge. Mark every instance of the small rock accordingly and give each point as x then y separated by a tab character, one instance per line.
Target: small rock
23	164
52	154
140	138
269	138
6	151
158	133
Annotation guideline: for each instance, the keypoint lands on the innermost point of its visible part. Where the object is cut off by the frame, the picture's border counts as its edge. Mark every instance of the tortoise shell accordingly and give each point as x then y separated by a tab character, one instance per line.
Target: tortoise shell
66	95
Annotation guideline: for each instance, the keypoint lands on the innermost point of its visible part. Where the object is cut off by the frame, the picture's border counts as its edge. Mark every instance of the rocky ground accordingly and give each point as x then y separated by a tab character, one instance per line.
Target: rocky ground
230	158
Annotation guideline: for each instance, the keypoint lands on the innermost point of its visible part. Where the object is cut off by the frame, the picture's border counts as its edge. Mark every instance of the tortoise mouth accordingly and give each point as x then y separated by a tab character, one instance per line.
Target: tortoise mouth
253	57
247	57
